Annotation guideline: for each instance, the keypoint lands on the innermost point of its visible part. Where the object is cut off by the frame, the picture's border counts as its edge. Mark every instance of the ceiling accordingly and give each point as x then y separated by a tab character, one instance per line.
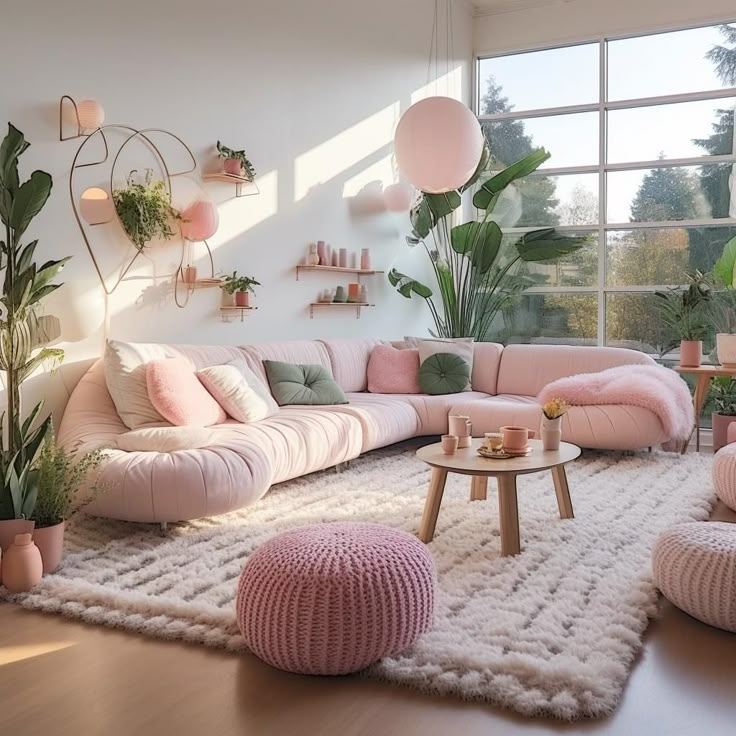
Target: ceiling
490	7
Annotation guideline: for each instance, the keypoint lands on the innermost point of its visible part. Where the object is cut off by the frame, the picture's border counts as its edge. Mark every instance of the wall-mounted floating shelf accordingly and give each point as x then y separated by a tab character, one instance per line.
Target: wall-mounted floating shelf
339	305
239	181
203	284
232	311
337	269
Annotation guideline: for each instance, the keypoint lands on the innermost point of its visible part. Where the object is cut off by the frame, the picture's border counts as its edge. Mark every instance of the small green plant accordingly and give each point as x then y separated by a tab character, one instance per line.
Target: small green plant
61	475
248	169
723	393
144	209
683	310
234	283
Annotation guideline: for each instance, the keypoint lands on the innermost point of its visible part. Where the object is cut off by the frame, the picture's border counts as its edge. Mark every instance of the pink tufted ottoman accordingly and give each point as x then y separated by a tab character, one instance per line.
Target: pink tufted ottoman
724	474
695	568
334	598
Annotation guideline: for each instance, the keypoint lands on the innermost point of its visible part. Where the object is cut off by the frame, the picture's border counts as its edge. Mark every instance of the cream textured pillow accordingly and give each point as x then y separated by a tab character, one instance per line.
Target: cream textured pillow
125	374
238	391
165	439
460	346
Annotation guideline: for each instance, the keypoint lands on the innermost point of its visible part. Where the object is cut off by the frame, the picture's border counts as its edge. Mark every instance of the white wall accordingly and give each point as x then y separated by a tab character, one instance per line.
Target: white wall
312	91
579	20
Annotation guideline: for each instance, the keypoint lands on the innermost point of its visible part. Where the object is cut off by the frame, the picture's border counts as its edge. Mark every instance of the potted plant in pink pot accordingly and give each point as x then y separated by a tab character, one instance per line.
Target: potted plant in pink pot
683	312
723	392
236	162
240	287
63	476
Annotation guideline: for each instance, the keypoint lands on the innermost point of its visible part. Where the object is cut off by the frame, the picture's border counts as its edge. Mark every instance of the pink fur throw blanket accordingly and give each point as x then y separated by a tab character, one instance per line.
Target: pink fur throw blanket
652	387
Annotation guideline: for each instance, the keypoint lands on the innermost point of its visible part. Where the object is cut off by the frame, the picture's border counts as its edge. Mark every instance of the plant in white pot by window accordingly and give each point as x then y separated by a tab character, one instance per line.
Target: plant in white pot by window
683	312
239	288
723	391
63	488
725	305
551	429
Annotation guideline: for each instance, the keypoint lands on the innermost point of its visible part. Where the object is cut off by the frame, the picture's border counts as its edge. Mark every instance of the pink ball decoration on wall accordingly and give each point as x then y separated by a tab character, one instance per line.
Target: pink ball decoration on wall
200	220
438	144
399	197
90	114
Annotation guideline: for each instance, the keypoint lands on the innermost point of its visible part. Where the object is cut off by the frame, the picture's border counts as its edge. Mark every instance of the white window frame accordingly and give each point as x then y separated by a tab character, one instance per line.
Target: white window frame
602	168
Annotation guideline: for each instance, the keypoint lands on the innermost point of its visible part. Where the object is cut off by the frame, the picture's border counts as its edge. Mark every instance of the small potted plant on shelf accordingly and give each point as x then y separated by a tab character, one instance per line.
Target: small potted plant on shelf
723	391
144	208
62	476
240	287
236	162
683	311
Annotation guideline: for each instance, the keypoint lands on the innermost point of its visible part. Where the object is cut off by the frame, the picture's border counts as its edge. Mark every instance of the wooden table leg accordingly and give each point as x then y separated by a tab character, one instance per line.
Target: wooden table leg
479	488
508	512
699	396
562	489
432	504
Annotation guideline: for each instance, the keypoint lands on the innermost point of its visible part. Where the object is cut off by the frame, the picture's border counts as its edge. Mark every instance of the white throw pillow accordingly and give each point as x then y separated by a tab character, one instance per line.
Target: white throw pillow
461	346
239	391
165	439
125	374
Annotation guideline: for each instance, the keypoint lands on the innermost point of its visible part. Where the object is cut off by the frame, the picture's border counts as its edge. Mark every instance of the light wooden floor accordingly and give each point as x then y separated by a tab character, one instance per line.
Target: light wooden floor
64	678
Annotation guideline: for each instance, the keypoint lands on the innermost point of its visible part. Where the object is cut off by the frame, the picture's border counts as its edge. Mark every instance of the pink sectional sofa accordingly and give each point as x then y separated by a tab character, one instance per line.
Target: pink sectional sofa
243	460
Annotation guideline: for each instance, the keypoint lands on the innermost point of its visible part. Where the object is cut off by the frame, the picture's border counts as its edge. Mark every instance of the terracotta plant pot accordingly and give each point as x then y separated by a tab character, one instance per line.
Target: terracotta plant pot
233	166
242	299
691	353
22	565
726	349
10	527
50	543
189	274
720	424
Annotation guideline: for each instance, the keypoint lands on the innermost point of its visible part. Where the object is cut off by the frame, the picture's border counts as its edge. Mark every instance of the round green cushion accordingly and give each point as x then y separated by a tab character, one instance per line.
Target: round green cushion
444	373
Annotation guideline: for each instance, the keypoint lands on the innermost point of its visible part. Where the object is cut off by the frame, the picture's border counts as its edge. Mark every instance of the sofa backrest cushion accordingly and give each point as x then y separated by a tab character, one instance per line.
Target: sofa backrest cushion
526	369
310	352
349	359
486	362
393	371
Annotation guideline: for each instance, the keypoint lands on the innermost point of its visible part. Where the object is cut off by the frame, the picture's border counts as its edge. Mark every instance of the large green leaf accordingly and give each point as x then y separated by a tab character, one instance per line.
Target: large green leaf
547	245
442	205
26	256
406	286
12	146
422	219
496	184
725	268
479	241
29	200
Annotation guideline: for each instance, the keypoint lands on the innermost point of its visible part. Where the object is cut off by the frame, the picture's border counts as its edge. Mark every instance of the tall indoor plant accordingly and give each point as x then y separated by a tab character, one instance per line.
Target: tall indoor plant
475	273
683	311
25	284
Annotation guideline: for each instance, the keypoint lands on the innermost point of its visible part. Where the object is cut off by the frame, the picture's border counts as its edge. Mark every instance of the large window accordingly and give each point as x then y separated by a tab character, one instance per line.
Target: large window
641	132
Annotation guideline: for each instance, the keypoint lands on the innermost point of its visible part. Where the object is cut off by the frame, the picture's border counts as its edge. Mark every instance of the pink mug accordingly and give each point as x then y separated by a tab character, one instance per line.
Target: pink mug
515	438
449	443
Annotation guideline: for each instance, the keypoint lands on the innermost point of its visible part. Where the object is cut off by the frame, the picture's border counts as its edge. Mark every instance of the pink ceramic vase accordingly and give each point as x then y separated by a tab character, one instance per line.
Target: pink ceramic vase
22	565
242	299
691	353
233	166
50	543
9	528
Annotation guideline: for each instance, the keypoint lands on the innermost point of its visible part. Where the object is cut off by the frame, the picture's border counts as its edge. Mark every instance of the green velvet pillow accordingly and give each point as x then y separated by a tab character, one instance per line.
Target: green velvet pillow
443	373
302	384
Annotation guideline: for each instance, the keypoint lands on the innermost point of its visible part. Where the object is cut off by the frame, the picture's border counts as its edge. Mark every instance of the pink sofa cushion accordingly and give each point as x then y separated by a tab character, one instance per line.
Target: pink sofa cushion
392	371
349	358
177	394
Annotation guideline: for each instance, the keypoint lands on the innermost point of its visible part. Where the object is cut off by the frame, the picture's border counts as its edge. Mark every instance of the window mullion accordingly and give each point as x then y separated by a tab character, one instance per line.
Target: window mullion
602	159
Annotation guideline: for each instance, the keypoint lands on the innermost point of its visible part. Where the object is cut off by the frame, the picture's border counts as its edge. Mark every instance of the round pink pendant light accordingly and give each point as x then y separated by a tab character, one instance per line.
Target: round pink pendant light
438	144
200	220
399	197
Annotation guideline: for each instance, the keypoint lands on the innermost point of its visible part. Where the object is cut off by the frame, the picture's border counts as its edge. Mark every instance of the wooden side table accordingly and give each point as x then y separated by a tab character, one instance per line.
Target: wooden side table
702	375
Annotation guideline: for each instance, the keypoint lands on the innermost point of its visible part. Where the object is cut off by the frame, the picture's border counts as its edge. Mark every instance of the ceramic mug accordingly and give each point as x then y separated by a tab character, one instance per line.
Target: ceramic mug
449	443
515	438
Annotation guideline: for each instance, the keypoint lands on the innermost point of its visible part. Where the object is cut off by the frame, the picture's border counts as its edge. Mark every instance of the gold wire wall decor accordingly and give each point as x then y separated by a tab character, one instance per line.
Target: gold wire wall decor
145	136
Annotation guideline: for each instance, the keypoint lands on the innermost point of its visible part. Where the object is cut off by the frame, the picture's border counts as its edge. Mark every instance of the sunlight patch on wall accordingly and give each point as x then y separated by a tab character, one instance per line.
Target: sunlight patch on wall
446	85
339	153
382	171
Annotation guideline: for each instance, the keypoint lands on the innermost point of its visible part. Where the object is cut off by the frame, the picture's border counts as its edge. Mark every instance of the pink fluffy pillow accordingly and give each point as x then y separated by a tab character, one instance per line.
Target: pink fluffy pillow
178	395
393	371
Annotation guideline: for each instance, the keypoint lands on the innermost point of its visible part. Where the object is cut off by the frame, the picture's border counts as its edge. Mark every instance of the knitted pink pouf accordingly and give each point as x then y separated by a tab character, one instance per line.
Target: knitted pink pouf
334	598
724	475
695	568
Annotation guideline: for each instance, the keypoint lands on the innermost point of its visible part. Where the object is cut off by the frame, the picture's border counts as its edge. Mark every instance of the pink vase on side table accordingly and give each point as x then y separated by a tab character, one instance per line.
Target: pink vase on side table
691	353
22	565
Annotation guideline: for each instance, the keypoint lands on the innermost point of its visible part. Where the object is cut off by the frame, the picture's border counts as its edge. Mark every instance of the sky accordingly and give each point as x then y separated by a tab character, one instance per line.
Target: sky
663	64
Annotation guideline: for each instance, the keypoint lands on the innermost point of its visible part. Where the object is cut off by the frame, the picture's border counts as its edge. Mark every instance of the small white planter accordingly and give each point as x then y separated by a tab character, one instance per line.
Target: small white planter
726	349
551	433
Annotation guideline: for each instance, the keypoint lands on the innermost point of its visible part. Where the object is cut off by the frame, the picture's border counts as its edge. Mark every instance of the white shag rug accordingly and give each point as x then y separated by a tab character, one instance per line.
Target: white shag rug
552	631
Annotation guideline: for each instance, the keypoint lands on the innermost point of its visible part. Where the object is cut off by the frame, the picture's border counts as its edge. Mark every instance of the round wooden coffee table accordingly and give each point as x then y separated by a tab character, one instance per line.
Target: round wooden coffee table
469	462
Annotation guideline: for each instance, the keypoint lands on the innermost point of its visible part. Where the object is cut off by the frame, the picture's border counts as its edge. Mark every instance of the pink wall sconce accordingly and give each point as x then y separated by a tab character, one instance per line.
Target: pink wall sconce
88	115
96	207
